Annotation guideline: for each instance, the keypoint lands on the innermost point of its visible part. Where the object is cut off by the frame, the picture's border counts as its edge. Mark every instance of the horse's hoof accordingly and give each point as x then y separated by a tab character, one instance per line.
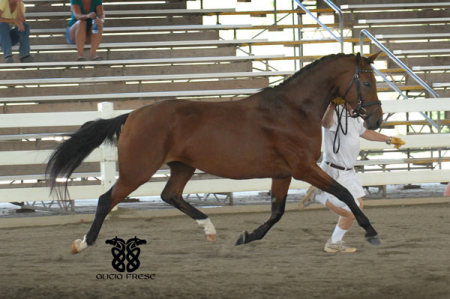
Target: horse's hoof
374	240
211	238
79	245
243	239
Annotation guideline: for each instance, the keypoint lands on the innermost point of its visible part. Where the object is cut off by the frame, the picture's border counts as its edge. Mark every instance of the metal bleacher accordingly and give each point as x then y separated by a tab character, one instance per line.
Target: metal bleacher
416	31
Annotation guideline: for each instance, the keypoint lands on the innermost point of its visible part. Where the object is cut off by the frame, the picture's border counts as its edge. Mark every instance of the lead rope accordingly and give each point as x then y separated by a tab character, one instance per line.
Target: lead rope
337	139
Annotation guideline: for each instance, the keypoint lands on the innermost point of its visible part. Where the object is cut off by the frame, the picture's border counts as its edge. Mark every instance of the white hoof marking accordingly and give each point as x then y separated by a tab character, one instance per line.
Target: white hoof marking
79	245
207	225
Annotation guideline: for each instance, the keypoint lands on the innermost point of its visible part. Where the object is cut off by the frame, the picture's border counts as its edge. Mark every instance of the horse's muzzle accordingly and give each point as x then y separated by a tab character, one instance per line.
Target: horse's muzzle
373	123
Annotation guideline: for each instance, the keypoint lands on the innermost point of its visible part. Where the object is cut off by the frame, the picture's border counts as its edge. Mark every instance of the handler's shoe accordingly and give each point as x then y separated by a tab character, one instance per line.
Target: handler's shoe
308	198
339	246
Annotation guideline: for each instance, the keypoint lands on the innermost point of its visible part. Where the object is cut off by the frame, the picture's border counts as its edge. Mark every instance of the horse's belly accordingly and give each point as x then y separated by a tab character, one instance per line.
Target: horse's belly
238	165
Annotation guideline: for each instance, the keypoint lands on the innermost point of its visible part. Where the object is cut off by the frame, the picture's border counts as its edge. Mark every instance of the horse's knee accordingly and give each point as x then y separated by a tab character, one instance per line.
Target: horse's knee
277	216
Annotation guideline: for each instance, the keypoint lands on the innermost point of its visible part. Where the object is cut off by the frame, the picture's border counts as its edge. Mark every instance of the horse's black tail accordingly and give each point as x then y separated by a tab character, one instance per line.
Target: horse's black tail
69	154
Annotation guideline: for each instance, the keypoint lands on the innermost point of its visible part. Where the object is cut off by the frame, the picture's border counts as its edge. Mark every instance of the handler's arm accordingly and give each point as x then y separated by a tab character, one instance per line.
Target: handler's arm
79	16
374	136
100	13
20	12
327	119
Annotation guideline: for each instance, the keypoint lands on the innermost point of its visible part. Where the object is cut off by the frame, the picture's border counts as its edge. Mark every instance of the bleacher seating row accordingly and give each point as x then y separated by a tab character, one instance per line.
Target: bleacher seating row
416	31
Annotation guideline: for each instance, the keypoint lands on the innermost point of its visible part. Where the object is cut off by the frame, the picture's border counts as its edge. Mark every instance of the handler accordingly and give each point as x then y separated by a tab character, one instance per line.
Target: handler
341	152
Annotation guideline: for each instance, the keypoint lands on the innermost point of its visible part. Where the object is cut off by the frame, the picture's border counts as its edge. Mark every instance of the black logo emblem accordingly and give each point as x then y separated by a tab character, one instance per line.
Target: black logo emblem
126	251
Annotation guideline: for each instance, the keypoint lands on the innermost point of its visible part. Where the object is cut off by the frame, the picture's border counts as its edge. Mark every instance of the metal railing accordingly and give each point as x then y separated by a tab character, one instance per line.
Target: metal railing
413	75
340	38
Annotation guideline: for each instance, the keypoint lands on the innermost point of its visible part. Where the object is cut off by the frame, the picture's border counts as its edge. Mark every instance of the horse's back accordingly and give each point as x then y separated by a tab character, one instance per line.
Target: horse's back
224	138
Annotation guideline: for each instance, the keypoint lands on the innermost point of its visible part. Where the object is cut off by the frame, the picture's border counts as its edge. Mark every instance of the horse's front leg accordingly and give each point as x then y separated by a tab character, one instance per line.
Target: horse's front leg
279	192
319	178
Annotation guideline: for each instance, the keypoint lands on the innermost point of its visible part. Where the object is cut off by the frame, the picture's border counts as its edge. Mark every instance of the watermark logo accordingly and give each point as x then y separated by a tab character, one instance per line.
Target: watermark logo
125	254
126	259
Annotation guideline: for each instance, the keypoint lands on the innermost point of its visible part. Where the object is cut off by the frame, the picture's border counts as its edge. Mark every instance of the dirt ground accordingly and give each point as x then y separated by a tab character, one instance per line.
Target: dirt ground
412	262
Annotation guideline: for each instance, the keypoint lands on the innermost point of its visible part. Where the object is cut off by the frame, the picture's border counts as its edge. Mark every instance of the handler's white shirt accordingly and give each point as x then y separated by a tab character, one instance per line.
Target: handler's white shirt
349	144
346	157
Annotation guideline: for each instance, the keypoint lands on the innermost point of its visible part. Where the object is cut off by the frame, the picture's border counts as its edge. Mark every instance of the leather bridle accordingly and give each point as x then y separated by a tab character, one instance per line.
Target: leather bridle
359	110
361	105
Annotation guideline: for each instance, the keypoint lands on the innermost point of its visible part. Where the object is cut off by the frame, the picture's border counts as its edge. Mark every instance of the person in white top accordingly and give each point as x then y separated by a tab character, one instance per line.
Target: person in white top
341	152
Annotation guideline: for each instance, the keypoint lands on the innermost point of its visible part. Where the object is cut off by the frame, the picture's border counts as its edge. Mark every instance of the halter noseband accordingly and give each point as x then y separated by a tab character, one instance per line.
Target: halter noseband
360	108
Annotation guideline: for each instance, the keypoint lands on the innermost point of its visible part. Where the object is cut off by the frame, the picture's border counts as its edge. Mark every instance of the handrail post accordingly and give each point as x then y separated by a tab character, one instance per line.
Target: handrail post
108	153
341	24
341	21
275	12
395	59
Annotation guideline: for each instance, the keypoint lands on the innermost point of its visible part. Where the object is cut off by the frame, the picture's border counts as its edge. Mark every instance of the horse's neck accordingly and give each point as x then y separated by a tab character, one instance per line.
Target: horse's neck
314	90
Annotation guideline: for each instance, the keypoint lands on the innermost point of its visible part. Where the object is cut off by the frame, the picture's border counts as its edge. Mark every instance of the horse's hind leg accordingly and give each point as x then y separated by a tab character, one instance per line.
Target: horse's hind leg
105	204
319	178
279	192
180	174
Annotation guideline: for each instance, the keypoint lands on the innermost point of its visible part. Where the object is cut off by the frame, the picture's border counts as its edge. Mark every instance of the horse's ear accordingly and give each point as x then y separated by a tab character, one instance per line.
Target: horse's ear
373	57
358	59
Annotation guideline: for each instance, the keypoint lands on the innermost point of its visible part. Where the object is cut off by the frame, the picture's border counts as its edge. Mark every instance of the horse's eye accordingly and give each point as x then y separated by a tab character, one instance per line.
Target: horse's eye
367	84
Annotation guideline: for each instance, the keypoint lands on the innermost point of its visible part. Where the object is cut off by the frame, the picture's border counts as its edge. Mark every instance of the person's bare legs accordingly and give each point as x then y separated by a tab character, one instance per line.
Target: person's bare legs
78	34
345	222
346	218
95	41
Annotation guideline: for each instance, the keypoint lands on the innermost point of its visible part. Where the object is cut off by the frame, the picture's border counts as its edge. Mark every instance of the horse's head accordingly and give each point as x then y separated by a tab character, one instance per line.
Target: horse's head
115	242
358	88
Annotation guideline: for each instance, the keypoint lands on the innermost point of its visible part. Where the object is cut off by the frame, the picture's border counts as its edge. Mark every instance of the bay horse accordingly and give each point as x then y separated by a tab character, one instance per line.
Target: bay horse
275	133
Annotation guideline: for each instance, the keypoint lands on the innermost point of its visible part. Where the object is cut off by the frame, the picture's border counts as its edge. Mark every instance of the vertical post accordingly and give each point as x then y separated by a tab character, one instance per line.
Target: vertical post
300	46
108	152
275	11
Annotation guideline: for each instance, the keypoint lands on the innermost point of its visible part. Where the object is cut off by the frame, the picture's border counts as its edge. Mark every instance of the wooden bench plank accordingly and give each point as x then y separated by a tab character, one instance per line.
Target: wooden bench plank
174	60
165	12
413	36
405	21
421	51
144	78
416	105
186	43
431	68
374	162
439	85
388	6
186	28
110	96
134	12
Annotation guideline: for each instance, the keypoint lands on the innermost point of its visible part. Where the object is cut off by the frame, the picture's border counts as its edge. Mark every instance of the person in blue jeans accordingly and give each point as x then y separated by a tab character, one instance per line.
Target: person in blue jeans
13	30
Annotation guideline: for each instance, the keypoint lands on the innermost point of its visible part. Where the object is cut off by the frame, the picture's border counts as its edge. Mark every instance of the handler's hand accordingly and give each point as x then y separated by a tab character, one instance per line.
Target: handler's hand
19	25
338	101
397	142
91	15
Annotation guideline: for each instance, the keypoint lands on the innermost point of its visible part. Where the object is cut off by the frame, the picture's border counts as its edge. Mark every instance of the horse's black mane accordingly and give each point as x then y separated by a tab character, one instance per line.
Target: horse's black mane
309	67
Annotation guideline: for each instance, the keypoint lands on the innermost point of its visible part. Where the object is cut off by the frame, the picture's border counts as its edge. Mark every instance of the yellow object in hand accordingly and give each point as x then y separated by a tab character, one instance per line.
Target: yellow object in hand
338	101
397	142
